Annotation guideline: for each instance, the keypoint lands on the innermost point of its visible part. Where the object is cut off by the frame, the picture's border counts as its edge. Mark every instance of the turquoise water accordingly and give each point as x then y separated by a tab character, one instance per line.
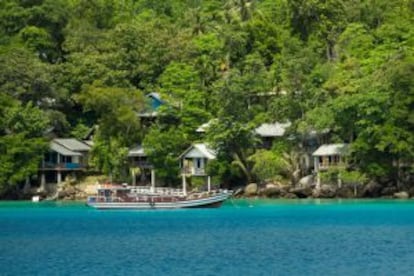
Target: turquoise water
253	237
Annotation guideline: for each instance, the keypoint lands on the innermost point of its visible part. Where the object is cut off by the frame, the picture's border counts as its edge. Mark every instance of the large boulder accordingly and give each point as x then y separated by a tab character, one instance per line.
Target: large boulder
345	192
307	181
251	189
401	195
326	191
301	192
273	185
272	192
70	189
289	195
372	189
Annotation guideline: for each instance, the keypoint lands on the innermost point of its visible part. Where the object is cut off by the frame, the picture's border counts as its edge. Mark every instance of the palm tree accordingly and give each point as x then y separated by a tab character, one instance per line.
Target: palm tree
238	9
291	161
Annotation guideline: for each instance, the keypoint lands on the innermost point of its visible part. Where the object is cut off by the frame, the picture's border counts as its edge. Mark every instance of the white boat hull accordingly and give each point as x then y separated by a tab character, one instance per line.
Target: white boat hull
211	201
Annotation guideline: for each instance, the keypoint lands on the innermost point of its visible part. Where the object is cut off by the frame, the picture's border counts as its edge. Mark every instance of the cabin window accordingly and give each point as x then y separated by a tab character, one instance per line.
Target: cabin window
325	161
198	163
66	159
51	157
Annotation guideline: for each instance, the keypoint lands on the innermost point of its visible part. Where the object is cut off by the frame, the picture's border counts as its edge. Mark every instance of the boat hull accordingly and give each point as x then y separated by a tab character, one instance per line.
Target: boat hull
208	202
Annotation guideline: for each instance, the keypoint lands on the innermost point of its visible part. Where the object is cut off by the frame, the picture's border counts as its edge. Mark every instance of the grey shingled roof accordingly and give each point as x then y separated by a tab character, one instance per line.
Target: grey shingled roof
204	127
265	130
331	149
89	142
62	150
136	151
272	130
208	152
72	144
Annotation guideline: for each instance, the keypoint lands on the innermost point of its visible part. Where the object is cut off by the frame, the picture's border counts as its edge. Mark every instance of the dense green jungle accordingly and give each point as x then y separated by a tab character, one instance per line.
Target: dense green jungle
339	70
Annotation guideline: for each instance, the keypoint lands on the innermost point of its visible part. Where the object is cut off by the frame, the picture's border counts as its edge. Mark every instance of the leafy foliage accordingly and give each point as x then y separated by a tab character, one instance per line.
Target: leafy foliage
343	67
21	142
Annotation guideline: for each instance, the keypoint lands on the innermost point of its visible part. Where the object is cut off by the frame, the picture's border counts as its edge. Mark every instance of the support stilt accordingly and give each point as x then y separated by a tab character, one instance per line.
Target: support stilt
43	182
209	183
152	180
27	185
59	177
184	184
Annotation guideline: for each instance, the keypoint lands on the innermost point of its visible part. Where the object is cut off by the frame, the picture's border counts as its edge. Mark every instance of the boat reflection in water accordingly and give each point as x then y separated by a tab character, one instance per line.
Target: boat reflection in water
112	196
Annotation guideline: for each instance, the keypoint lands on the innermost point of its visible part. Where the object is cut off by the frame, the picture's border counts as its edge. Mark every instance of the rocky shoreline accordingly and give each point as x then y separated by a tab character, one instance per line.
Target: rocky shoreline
278	190
71	190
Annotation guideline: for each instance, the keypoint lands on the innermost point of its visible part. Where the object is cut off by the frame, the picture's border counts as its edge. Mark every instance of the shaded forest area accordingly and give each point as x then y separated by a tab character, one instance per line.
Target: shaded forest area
343	67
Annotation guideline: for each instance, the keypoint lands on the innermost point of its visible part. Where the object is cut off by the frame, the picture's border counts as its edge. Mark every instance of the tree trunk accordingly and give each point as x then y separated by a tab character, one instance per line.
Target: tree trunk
398	163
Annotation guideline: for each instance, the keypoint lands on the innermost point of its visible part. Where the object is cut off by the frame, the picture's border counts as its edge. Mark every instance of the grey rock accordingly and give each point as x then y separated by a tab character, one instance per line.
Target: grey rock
301	192
251	189
345	192
272	192
290	196
272	185
372	189
401	195
327	191
306	181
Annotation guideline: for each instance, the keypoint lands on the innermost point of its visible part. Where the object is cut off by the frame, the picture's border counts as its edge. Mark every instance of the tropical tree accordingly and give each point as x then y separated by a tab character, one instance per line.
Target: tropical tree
21	142
118	125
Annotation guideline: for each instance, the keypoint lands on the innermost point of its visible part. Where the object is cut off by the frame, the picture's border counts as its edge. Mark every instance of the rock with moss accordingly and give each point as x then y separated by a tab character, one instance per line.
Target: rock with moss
325	191
251	189
346	192
272	192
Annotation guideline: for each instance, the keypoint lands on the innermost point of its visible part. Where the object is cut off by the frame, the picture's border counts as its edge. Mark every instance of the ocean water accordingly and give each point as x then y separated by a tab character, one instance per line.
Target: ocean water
243	237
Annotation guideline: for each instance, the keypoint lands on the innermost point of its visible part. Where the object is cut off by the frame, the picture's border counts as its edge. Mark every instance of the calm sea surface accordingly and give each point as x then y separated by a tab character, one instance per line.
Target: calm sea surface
254	237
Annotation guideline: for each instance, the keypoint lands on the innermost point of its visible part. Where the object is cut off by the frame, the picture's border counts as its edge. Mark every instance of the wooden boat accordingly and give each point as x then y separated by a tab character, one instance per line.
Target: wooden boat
138	197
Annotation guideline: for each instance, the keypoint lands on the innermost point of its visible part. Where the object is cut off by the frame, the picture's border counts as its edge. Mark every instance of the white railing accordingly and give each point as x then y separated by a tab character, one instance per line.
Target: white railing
155	190
194	171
